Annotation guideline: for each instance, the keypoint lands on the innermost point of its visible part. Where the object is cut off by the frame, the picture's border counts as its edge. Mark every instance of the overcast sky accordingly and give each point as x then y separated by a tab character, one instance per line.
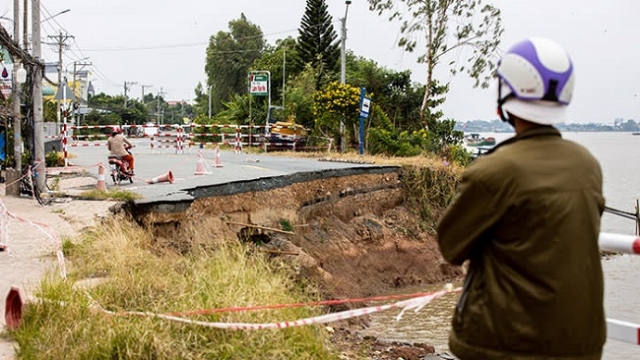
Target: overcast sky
162	43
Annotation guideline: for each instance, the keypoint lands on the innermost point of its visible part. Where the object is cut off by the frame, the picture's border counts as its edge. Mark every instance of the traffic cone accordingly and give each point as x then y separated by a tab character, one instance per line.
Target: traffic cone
101	185
162	178
13	309
200	169
217	162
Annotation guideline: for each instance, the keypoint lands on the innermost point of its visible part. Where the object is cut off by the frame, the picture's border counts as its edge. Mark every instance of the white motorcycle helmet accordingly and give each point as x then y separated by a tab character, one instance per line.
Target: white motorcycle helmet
535	82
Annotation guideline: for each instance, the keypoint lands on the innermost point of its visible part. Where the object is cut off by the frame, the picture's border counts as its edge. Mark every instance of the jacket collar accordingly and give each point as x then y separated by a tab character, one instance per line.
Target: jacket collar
528	134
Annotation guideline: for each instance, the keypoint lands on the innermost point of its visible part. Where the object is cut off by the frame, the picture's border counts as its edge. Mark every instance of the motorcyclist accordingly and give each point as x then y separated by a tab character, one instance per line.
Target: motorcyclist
119	146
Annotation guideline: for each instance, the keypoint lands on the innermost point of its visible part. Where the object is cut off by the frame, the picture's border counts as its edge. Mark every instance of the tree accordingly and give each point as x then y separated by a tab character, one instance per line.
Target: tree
280	61
447	25
396	95
337	101
317	43
229	57
300	97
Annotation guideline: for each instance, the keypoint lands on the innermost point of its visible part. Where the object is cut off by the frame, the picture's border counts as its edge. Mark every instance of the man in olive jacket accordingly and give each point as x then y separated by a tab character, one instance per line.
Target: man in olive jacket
527	218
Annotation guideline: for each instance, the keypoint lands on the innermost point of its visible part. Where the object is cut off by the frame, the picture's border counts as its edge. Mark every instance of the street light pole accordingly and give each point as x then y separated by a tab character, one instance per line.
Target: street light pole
343	63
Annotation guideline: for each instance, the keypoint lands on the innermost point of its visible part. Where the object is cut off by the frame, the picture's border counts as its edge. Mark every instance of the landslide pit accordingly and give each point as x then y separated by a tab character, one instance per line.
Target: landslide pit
353	232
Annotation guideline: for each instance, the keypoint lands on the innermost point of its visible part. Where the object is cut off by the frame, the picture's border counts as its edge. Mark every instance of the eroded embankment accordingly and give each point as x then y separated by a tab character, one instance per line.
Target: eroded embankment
351	230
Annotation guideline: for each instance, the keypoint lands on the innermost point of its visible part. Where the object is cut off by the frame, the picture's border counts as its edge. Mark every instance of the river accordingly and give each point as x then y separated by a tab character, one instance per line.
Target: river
621	171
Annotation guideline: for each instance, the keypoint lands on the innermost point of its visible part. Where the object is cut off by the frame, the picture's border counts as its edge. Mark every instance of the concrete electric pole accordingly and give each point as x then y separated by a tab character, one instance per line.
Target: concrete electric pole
127	87
343	63
144	87
17	119
61	44
160	119
38	126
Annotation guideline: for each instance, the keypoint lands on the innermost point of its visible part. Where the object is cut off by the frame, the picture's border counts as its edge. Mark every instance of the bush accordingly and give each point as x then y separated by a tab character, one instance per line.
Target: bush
54	159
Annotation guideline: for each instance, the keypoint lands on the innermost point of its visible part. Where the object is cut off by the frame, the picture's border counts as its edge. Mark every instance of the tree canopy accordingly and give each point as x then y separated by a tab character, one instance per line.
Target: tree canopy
317	43
229	57
441	26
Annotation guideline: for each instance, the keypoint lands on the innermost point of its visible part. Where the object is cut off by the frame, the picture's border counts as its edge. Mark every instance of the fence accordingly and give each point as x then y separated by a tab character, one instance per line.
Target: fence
183	137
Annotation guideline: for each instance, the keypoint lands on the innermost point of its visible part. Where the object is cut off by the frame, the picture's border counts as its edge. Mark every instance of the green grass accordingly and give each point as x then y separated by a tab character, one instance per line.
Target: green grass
64	325
111	194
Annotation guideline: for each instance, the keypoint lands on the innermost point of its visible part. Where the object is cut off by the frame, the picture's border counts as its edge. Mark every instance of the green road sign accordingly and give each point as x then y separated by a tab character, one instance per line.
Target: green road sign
258	84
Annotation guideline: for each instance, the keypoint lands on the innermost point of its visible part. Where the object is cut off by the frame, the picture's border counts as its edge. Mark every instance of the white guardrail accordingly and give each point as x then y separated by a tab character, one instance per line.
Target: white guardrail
627	244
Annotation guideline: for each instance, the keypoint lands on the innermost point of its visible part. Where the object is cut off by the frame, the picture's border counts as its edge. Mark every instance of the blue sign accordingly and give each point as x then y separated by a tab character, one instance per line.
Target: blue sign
365	105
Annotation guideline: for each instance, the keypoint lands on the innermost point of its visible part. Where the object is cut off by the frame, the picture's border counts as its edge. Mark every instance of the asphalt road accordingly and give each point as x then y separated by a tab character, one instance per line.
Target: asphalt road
154	162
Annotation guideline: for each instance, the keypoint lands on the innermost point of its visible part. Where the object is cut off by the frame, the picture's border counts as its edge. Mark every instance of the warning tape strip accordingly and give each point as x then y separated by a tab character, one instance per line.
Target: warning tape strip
43	228
415	304
308	304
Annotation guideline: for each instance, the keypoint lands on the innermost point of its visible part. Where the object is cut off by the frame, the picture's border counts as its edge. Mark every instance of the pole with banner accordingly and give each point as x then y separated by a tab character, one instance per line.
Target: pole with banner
365	105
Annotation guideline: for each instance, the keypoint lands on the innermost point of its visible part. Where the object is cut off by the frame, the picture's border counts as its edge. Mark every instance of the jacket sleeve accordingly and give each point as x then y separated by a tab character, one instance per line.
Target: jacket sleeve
467	222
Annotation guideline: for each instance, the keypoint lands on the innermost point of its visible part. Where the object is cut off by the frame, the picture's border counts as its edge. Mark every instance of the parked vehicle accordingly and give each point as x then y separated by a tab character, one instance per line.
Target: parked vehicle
281	132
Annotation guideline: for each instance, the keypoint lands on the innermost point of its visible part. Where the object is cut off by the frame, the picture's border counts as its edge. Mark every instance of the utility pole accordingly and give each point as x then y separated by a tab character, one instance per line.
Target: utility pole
160	93
25	30
142	99
284	70
38	126
127	87
144	87
17	123
210	88
75	71
61	45
75	116
343	61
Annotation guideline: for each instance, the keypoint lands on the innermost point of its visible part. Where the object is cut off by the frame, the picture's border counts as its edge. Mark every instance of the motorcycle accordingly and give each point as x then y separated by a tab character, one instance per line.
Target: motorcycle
119	169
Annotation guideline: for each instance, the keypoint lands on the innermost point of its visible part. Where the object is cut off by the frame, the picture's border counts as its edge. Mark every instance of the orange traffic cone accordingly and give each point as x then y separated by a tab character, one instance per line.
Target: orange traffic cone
13	309
101	185
218	162
200	169
162	178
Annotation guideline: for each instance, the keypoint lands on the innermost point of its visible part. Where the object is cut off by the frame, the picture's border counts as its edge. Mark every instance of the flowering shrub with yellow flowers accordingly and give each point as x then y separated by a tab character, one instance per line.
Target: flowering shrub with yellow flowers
333	103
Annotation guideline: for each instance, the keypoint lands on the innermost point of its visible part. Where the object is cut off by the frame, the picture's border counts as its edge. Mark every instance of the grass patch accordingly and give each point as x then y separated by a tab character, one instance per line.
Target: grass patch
111	194
65	326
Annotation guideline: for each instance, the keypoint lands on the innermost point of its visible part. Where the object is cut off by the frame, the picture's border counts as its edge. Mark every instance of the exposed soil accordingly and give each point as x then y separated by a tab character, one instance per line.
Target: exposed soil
354	235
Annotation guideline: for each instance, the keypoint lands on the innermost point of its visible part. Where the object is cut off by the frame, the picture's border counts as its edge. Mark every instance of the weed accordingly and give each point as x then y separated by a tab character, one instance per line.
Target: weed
117	195
286	225
67	324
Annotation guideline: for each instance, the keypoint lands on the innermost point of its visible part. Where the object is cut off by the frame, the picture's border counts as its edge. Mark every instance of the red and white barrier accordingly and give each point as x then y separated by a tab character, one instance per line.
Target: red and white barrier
627	244
623	331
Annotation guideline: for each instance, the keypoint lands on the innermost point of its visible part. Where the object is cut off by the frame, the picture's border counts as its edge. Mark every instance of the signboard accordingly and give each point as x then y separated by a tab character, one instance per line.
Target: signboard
6	80
364	108
259	84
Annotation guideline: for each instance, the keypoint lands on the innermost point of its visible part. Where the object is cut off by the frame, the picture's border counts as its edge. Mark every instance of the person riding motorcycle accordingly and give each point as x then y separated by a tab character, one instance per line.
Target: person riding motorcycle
119	146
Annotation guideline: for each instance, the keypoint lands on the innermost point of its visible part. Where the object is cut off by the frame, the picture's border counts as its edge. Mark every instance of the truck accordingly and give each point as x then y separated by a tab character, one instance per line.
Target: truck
283	134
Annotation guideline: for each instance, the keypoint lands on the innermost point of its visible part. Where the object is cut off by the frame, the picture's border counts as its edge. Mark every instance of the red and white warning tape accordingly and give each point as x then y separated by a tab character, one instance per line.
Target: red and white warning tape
411	304
43	228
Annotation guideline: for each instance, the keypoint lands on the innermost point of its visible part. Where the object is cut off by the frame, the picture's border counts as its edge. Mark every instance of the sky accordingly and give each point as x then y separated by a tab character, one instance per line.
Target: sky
161	44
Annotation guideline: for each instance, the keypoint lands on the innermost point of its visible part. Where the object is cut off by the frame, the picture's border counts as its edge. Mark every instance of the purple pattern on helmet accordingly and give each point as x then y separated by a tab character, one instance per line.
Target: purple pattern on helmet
527	50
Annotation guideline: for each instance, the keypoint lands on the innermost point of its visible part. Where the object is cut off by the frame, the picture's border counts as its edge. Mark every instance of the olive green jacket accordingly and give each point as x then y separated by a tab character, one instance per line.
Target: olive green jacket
527	216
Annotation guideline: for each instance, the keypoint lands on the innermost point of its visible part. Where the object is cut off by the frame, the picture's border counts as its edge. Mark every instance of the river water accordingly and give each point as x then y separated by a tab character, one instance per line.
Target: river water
621	170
